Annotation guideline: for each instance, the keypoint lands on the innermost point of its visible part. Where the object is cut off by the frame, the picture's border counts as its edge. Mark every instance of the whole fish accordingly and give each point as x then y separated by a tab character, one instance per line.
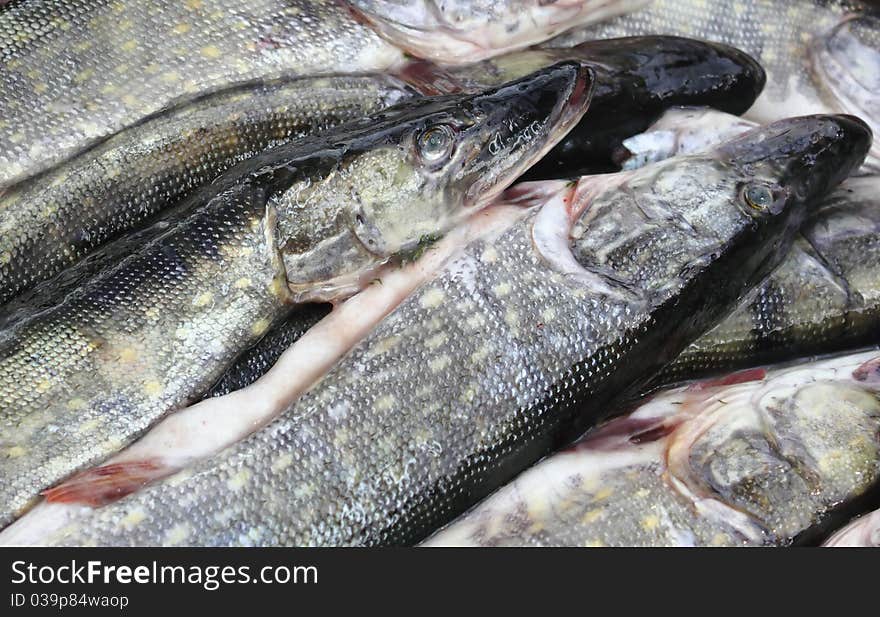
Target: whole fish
74	208
66	66
758	458
311	220
56	220
821	56
515	348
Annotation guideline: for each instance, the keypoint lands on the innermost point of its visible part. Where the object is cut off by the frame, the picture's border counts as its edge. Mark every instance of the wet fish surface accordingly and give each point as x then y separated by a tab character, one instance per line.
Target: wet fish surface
823	298
67	213
756	458
525	330
821	56
66	65
307	221
637	78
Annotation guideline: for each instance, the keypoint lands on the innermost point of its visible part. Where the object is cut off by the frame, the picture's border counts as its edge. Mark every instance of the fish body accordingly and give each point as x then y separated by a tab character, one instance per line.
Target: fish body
823	298
757	458
311	220
531	333
73	72
821	56
73	209
862	532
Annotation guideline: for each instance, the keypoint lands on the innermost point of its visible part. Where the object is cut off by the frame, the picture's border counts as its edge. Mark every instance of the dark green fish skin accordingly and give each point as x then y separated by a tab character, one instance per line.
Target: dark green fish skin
309	220
821	56
638	78
73	72
55	220
74	208
256	361
390	445
824	298
766	457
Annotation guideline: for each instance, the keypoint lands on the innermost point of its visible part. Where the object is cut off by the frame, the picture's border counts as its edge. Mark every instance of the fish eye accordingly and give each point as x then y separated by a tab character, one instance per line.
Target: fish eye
759	197
435	143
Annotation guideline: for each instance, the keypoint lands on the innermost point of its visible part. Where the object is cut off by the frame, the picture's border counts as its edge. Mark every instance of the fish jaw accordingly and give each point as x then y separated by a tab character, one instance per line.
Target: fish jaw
538	124
847	68
459	32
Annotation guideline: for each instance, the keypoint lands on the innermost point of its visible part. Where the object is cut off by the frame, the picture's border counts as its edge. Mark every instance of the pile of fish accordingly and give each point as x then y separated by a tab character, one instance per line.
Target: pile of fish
398	272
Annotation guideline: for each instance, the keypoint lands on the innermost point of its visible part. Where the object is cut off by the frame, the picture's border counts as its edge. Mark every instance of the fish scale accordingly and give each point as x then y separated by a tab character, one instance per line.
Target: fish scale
77	71
152	331
56	220
528	349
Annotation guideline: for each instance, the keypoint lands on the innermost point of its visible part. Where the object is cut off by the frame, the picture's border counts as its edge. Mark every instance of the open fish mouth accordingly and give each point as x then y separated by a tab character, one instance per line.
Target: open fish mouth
464	31
846	65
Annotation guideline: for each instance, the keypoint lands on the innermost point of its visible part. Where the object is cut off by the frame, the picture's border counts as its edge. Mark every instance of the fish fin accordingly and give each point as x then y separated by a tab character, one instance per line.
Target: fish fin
752	374
105	484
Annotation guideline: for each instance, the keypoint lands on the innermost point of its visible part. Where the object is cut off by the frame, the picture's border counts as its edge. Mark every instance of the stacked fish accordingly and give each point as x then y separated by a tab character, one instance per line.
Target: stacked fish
388	272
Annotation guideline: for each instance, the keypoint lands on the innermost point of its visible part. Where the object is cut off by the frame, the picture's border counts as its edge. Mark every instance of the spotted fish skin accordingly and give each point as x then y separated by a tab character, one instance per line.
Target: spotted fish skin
761	458
75	71
506	355
254	362
54	221
156	330
824	298
817	59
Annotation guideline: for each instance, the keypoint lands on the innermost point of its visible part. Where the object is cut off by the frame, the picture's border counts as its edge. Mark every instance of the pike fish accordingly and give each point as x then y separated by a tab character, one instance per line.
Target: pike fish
821	56
756	458
638	78
532	333
823	298
73	209
73	72
312	220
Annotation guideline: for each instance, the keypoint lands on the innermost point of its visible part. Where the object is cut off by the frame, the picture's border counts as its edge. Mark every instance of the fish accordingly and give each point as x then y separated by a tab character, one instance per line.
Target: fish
312	220
756	458
531	334
821	56
73	209
464	31
822	299
66	65
638	78
78	206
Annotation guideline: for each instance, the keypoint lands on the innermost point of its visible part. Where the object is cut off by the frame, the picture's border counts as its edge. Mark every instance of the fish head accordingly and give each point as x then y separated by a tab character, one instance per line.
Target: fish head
417	170
462	31
725	217
846	64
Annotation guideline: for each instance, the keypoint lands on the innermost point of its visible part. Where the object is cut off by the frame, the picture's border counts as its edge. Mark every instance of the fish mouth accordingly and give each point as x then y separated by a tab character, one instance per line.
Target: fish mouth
428	31
846	65
808	154
533	115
